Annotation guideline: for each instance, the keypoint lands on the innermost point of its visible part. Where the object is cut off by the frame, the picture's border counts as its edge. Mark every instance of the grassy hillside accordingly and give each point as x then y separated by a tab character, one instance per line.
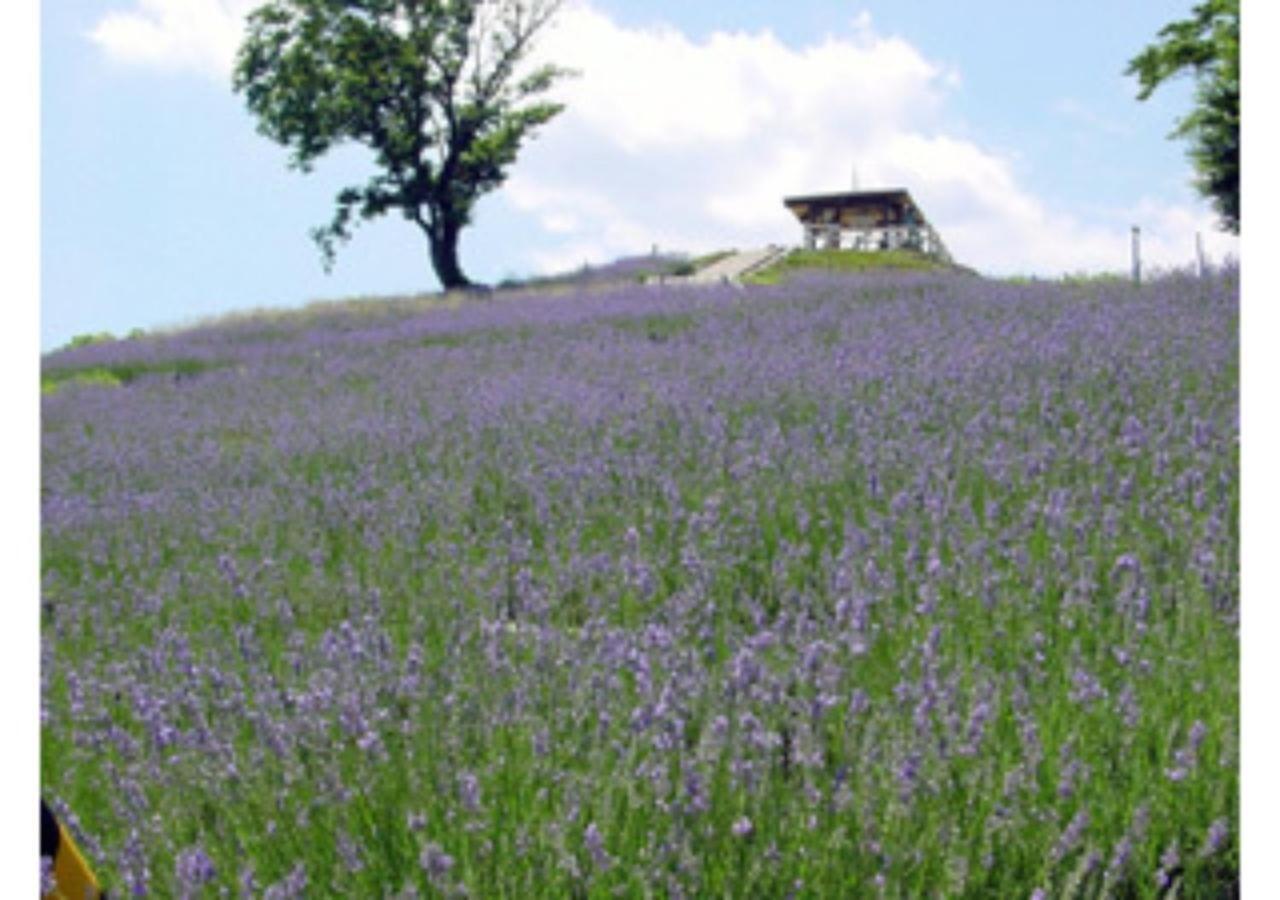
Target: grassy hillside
899	585
846	261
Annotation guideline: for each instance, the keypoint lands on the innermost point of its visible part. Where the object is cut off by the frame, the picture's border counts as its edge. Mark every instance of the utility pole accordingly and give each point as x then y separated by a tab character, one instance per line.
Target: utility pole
1137	255
1200	265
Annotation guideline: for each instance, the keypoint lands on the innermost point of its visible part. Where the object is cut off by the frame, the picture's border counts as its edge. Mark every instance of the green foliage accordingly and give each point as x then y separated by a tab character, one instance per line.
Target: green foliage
120	373
1207	45
435	89
842	261
95	377
84	340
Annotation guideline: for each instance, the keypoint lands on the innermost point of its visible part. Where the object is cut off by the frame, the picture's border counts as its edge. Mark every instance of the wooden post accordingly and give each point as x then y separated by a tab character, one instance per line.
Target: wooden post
1137	256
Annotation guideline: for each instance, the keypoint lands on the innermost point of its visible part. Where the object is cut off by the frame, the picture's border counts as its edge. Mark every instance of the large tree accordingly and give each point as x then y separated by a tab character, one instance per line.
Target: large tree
440	90
1208	46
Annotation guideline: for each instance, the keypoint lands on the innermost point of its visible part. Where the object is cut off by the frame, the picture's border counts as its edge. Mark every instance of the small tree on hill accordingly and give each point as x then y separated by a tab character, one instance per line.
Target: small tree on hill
433	87
1207	44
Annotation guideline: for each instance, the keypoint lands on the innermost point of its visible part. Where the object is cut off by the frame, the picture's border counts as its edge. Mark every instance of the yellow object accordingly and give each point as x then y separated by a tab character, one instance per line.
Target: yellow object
74	880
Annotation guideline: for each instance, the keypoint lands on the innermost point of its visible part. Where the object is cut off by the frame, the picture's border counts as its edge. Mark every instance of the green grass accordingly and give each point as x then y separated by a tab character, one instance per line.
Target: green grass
84	340
118	374
844	261
92	377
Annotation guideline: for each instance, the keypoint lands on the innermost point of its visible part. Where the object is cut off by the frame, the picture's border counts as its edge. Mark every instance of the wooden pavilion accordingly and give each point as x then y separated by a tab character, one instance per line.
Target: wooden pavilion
866	220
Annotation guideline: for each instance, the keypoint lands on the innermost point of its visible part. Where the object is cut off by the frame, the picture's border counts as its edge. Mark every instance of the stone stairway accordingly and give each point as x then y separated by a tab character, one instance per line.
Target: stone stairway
734	268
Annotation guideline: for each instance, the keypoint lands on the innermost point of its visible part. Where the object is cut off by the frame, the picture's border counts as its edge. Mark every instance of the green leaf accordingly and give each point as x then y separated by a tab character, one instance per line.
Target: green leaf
1207	46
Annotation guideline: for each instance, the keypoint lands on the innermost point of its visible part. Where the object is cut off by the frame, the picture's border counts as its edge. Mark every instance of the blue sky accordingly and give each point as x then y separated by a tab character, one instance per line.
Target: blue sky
1011	122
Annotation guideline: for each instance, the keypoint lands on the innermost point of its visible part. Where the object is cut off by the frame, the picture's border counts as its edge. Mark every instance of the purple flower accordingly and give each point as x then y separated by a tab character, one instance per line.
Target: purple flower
706	515
1169	862
1185	758
1070	837
1126	562
695	793
595	846
193	868
908	772
291	887
1214	838
435	862
1085	688
248	882
469	791
349	851
1072	772
1121	854
48	883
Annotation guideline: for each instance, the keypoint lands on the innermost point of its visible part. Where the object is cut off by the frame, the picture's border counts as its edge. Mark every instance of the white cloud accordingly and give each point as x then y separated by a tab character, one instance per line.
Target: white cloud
692	145
657	89
196	35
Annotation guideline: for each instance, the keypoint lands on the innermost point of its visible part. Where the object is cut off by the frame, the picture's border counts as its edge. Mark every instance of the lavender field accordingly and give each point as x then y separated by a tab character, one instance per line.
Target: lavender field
906	586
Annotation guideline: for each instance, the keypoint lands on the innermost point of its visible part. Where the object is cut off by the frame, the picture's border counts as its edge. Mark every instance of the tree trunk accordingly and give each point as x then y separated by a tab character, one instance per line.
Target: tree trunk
444	254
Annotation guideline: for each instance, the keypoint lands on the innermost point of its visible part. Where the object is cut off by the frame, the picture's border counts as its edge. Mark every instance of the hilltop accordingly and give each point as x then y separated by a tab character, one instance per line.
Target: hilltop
664	268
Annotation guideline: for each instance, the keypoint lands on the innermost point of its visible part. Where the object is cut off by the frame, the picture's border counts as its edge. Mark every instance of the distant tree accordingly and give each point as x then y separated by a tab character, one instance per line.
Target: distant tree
1207	45
437	89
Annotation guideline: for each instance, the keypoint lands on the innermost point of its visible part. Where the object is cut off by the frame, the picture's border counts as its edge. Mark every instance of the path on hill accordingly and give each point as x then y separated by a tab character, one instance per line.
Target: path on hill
738	265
